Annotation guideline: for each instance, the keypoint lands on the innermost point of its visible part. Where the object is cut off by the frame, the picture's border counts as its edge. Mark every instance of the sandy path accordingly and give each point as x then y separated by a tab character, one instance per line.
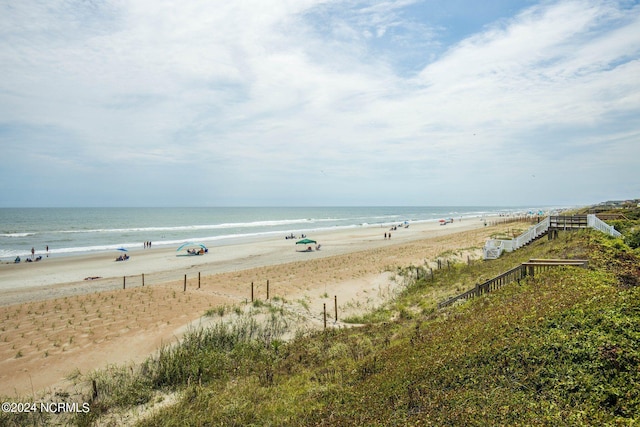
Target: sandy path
55	324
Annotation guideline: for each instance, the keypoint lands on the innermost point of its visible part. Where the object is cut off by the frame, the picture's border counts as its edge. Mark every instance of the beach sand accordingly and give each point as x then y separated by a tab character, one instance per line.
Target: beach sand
56	324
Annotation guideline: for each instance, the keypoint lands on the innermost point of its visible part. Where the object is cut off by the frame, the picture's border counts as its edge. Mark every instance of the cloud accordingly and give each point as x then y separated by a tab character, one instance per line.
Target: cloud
258	97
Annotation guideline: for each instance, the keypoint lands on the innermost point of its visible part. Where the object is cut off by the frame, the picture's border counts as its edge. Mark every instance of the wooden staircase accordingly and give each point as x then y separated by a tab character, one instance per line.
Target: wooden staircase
493	248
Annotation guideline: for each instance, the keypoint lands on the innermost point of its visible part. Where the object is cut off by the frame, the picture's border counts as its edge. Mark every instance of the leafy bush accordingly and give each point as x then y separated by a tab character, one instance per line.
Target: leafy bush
633	239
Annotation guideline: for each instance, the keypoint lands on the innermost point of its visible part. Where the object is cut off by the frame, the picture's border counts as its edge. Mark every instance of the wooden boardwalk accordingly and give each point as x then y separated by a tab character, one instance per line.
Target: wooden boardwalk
552	224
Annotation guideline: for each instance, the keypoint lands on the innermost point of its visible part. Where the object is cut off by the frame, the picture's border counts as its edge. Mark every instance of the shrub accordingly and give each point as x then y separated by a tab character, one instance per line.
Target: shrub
633	239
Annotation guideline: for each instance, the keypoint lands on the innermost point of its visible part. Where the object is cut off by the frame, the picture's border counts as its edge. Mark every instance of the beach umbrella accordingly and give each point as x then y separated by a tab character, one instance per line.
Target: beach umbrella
305	242
122	250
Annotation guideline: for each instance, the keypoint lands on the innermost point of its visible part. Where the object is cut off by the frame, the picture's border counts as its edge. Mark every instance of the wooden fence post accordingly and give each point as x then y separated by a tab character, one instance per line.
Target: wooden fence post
185	283
143	280
198	280
251	291
335	303
124	282
324	313
267	289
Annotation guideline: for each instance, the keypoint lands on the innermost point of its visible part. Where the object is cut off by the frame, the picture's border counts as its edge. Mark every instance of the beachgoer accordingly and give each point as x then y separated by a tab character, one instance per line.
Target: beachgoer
33	252
47	251
385	236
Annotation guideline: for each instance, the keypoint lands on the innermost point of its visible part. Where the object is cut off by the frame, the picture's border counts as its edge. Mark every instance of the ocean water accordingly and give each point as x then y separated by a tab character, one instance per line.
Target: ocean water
73	231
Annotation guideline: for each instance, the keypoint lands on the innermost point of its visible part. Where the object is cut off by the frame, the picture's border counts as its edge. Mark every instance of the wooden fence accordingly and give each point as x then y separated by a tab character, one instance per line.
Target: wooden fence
530	268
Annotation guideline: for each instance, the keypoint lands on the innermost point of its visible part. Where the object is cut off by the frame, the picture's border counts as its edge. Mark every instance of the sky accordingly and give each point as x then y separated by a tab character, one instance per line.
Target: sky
319	102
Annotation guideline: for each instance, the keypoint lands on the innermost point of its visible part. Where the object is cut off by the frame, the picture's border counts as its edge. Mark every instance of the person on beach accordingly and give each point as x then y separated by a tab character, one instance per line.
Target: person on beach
47	249
33	252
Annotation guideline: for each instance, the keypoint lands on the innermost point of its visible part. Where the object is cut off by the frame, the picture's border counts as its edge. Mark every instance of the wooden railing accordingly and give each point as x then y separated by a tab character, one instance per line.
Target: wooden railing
611	216
494	247
568	222
530	268
595	222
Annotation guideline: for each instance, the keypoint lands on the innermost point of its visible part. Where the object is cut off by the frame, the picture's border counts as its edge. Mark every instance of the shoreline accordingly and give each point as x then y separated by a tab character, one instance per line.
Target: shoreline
93	241
99	271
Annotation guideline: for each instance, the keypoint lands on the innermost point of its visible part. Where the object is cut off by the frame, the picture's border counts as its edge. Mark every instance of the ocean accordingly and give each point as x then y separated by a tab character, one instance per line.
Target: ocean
74	231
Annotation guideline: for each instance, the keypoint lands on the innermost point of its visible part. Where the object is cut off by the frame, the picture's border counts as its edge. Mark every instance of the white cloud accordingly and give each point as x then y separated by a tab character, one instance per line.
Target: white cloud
270	90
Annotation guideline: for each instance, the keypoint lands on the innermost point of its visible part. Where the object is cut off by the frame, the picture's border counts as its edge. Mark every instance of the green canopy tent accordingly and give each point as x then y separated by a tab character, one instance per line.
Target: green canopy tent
306	242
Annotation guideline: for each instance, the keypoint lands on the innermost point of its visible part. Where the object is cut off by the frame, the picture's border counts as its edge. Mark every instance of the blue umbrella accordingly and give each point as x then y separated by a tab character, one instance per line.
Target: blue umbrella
122	249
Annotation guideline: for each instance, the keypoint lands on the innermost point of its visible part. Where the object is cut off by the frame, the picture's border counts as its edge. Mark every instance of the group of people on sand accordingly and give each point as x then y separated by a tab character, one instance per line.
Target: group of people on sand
122	257
38	258
33	256
202	251
293	236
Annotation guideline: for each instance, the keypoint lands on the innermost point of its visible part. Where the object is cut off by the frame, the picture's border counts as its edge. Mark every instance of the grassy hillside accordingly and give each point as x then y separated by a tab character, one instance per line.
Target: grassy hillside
558	349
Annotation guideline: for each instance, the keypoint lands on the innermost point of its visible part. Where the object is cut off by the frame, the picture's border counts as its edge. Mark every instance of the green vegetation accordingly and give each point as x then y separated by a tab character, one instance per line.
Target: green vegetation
559	349
631	229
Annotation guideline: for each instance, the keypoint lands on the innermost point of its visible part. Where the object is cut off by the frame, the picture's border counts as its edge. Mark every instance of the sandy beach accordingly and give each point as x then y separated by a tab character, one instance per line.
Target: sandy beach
68	315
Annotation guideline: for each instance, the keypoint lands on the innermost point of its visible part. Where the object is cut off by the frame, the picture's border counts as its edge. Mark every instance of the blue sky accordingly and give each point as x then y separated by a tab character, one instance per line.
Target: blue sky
318	102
